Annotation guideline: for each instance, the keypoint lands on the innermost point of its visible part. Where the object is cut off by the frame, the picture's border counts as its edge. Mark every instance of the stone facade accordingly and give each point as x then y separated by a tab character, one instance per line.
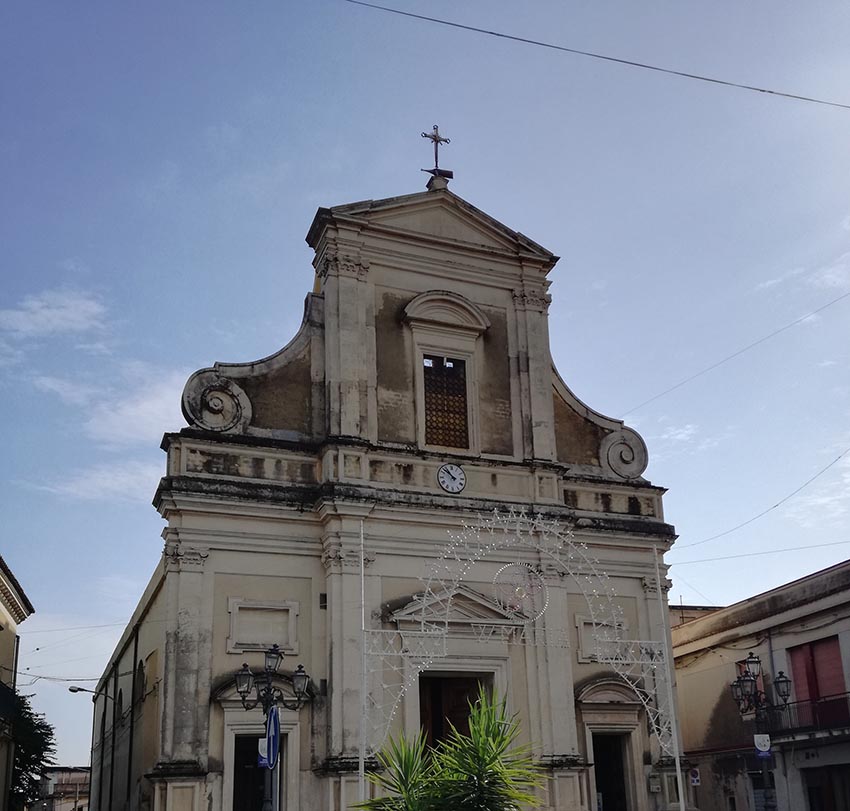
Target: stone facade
424	342
803	630
15	607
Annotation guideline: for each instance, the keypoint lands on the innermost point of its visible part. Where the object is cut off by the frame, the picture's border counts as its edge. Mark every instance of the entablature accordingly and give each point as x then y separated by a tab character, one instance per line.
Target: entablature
212	468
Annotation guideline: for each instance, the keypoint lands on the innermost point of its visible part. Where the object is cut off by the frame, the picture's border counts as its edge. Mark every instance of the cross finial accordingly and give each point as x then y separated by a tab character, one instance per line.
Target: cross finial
437	139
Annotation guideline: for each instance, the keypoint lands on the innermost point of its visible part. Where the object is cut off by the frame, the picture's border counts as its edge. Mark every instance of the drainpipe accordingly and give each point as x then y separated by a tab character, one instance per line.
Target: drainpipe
91	752
114	729
102	752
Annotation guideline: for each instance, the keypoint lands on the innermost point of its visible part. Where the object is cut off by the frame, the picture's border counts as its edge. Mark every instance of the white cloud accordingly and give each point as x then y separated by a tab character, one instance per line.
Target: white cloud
825	503
142	412
132	480
826	363
69	391
74	265
835	275
680	434
782	278
9	355
54	312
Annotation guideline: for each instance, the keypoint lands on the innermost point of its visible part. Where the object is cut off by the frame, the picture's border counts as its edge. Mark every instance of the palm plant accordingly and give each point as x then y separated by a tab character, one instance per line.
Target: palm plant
482	771
485	770
406	779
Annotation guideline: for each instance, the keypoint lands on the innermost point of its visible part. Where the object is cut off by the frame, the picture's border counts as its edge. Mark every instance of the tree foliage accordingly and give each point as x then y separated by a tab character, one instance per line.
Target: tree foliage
483	771
34	750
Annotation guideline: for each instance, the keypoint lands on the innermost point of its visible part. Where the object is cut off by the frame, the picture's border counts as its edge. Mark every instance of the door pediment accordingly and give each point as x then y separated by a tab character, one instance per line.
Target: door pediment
457	607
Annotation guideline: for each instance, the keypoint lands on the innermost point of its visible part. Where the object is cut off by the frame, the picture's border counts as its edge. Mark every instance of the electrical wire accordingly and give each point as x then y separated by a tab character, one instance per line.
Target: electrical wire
692	587
592	55
753	555
770	509
736	354
69	628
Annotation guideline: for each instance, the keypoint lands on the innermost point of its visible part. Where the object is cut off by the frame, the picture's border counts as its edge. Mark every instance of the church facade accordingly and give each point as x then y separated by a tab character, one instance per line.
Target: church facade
410	502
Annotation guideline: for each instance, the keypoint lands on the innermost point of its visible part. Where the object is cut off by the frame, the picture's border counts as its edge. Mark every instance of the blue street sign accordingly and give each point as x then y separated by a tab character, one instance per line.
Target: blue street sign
272	738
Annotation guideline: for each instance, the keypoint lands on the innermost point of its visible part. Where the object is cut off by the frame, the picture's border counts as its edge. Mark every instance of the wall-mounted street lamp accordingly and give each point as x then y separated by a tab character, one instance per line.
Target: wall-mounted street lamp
748	697
267	696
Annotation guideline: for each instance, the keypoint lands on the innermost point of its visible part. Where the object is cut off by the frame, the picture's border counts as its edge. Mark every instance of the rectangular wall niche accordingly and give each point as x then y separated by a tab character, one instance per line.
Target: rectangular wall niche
588	645
259	624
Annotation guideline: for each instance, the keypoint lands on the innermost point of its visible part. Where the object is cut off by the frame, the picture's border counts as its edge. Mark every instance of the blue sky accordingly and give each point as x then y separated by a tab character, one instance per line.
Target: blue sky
161	165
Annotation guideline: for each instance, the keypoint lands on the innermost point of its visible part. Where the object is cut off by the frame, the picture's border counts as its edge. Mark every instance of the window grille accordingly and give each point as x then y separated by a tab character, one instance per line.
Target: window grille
445	402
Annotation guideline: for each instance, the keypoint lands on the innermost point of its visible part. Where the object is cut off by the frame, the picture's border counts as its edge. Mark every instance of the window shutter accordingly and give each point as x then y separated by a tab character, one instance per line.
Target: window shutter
826	654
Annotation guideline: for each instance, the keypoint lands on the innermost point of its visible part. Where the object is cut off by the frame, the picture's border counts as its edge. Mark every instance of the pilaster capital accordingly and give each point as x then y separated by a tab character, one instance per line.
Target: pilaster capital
338	554
529	298
182	558
650	585
341	263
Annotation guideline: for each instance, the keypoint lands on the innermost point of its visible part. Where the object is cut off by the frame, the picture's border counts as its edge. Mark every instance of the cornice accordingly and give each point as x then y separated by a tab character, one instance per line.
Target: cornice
13	596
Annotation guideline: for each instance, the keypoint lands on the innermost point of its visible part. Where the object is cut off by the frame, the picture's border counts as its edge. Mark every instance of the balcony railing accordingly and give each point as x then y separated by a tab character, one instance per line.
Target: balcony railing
829	712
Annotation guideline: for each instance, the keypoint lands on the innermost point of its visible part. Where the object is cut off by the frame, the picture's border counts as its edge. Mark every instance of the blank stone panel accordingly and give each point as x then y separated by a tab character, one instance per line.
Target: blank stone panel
259	624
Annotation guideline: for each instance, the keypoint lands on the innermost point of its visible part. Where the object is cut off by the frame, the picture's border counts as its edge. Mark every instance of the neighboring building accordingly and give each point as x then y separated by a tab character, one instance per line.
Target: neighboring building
15	607
419	394
64	788
803	630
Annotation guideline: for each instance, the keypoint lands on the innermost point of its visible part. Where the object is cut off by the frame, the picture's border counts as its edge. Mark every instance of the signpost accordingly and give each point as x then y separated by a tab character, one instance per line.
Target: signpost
762	744
272	737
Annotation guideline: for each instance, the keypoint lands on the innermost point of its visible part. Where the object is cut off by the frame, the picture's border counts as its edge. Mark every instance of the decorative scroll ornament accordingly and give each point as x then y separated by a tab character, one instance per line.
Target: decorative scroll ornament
214	403
623	453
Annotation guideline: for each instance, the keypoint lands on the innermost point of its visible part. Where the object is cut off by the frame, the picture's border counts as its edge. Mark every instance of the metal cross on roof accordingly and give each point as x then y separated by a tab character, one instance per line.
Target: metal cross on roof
437	139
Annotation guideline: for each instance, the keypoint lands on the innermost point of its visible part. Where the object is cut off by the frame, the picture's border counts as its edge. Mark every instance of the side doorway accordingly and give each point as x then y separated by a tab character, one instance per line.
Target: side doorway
248	775
610	768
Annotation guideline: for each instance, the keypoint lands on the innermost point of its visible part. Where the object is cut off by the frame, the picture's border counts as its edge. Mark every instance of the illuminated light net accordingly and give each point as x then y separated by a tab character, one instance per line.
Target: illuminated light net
395	658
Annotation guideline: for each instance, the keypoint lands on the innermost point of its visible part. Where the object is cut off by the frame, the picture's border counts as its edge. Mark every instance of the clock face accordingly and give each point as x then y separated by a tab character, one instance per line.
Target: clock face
451	478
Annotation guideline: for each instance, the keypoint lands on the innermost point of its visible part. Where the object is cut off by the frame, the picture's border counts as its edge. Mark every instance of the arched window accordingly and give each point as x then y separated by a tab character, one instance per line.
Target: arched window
446	329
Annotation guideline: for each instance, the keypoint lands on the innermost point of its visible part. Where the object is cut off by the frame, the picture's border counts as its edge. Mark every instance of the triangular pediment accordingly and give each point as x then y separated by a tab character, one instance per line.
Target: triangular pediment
460	606
440	215
444	222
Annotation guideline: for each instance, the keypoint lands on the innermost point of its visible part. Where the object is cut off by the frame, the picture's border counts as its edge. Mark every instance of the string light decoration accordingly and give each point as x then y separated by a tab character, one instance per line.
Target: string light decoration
543	549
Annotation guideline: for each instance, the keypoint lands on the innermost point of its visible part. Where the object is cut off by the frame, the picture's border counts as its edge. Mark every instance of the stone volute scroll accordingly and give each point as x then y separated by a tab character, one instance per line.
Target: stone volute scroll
215	403
624	453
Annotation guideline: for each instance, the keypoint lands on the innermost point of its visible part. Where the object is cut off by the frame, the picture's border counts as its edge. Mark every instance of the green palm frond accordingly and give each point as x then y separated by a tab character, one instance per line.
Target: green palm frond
486	770
407	777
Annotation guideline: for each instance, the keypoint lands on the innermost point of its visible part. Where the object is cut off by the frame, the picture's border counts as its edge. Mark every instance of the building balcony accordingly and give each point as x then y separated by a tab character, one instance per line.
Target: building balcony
830	712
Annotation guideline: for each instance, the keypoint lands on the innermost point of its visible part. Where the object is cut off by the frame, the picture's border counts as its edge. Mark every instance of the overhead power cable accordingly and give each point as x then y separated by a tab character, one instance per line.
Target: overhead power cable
70	628
693	588
770	509
604	57
737	353
755	554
